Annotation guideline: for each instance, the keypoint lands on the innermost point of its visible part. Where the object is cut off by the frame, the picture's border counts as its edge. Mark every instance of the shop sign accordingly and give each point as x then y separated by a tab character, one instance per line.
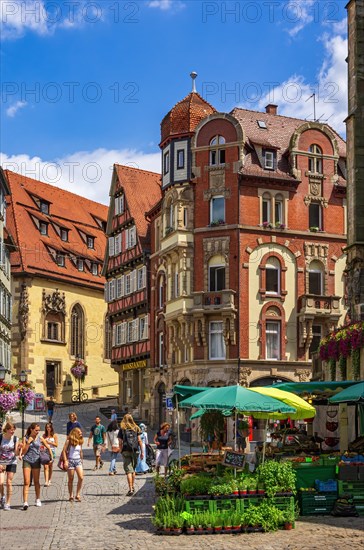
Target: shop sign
135	365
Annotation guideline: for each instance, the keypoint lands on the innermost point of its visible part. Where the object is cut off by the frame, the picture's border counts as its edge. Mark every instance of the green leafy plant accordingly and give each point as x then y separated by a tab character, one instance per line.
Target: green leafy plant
220	489
195	485
211	424
277	477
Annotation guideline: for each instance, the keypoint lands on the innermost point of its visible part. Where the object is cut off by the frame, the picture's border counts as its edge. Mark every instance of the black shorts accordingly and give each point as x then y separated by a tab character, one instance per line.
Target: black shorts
10	468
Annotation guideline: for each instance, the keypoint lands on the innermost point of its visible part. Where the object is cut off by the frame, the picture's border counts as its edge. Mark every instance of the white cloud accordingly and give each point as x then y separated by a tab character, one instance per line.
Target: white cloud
20	16
165	5
13	109
86	173
331	89
300	14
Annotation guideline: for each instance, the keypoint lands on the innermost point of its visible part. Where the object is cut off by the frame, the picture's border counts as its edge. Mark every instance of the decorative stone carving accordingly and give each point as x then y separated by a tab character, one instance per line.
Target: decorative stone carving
302	374
355	276
23	313
244	374
54	302
309	198
315	188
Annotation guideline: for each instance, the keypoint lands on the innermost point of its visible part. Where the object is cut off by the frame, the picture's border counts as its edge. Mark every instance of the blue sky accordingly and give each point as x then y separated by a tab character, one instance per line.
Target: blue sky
87	83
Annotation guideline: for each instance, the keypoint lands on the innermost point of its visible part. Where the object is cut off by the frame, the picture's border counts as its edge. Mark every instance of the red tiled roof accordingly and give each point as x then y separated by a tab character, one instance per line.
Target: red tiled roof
142	190
279	128
185	115
67	210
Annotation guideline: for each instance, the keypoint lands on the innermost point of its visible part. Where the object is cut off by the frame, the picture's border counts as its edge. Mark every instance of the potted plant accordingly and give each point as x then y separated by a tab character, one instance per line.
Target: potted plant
261	488
226	522
252	486
243	487
236	522
217	522
288	517
252	519
278	477
234	487
314	229
271	516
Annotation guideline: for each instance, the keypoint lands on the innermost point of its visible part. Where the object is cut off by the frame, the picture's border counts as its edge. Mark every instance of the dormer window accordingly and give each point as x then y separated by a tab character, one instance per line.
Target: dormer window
166	163
90	242
269	158
315	162
44	207
43	228
80	264
64	235
60	259
94	269
217	155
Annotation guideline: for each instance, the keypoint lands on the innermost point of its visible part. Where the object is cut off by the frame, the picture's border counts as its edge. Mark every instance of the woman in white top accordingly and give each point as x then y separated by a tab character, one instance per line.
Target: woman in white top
72	455
52	440
113	445
9	449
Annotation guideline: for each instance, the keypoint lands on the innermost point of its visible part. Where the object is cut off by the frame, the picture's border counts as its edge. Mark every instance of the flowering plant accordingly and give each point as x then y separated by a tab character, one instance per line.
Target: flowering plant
343	342
79	370
267	225
15	396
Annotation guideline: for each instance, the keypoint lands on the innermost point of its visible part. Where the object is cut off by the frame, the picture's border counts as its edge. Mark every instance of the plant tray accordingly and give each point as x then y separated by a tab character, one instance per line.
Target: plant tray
199	506
316	510
227	505
315	499
355	488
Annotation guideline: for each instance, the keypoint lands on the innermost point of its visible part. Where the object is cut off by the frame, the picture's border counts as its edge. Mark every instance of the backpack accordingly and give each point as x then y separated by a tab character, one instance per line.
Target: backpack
130	440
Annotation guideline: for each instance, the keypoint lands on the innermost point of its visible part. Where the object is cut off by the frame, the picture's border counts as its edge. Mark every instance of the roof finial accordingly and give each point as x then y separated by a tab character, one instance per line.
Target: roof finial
193	75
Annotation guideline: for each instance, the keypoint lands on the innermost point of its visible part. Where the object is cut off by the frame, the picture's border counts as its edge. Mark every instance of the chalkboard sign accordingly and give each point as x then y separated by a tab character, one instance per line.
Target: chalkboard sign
234	459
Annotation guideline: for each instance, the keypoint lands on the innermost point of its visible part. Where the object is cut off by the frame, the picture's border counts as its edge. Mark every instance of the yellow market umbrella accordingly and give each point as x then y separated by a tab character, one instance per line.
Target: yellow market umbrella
303	409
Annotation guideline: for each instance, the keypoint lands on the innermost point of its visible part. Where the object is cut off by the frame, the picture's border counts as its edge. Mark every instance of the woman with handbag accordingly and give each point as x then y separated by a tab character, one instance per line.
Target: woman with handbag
72	455
31	455
52	440
113	445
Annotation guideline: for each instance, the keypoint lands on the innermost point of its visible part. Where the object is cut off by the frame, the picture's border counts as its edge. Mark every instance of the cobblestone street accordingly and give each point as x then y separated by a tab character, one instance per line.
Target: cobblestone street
108	519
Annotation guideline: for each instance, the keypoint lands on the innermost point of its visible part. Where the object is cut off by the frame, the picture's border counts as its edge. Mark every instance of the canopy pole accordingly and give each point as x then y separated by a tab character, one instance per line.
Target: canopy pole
265	440
235	430
178	436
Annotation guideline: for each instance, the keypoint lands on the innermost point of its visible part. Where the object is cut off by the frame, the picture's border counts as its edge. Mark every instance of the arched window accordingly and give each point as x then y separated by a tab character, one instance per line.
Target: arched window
272	276
217	154
216	273
77	332
316	278
273	334
315	161
161	292
267	208
278	209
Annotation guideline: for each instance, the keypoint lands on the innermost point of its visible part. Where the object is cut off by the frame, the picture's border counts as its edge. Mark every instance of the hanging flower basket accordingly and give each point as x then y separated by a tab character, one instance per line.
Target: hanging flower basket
79	370
14	396
342	342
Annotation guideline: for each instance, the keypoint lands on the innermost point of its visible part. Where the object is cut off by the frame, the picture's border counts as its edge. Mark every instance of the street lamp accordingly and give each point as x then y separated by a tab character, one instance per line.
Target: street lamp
23	377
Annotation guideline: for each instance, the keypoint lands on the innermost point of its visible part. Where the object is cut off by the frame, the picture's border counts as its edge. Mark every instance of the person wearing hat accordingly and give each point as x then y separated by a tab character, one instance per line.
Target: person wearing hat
113	416
142	466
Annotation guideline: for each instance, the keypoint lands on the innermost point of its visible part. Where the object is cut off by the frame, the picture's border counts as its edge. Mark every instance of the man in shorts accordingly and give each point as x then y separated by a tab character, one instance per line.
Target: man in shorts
50	408
98	435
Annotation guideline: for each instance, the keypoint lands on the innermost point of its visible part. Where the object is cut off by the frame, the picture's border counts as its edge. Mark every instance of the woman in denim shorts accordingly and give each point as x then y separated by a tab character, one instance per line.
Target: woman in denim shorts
30	453
72	455
9	449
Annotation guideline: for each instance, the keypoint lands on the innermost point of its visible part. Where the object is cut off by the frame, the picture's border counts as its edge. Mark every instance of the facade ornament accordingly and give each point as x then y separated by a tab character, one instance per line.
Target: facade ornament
302	374
54	302
244	374
23	313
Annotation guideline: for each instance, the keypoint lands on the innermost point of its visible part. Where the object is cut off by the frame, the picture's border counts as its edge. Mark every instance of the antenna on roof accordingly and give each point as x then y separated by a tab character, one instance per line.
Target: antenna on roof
314	105
193	75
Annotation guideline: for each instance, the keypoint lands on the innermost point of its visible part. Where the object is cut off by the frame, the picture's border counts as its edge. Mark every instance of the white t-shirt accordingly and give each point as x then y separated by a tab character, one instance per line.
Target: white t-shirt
74	453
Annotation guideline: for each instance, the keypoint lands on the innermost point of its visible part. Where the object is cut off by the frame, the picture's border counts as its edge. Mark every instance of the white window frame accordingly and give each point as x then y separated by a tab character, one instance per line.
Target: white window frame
43	228
278	336
166	163
127	289
141	277
212	201
111	246
269	160
94	268
119	205
219	333
143	327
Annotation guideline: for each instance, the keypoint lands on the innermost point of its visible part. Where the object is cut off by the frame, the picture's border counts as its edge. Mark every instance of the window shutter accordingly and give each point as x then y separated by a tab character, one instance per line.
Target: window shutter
114	335
111	246
106	292
123	333
122	286
136	330
132	236
118	244
133	284
126	232
118	287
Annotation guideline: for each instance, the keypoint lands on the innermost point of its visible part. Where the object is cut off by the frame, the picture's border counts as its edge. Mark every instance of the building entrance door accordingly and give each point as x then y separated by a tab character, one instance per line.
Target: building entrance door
52	376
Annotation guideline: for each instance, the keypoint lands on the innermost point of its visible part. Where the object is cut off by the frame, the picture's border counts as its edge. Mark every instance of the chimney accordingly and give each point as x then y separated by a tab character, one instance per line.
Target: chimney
271	109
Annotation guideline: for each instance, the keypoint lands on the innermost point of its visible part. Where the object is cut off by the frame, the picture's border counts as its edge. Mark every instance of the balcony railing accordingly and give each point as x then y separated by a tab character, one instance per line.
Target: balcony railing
313	304
222	299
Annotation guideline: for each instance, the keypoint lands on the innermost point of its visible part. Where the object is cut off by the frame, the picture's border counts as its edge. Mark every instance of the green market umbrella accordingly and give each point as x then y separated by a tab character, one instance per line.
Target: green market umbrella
354	394
201	412
237	398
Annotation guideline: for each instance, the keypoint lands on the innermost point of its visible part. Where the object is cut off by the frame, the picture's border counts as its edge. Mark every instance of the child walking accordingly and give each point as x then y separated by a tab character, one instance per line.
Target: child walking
72	455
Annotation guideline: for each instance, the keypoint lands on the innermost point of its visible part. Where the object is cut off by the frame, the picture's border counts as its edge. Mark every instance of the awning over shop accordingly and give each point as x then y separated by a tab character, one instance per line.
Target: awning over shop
322	389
